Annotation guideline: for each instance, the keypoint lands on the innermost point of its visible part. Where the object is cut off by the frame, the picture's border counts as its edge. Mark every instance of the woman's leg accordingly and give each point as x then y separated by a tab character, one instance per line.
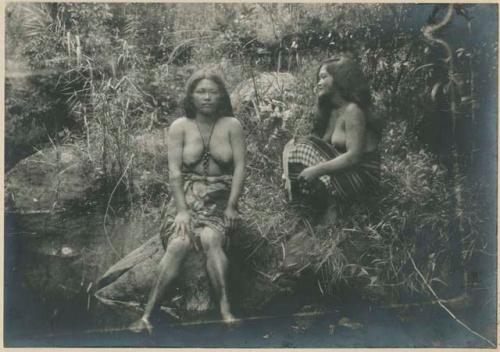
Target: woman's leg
217	263
168	269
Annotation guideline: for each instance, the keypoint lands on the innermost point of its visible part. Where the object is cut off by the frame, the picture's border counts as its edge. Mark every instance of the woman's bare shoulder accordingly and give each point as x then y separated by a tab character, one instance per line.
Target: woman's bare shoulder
179	123
353	108
354	114
231	123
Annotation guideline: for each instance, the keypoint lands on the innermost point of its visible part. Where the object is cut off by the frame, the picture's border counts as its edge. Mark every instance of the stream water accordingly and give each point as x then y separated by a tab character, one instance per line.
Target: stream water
49	274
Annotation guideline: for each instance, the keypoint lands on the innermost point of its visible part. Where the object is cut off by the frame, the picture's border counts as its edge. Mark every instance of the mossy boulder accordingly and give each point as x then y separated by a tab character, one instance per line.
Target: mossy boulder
266	86
50	180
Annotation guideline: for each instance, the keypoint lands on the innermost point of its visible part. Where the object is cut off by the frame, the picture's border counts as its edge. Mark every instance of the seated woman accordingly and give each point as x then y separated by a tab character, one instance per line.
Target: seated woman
341	159
206	155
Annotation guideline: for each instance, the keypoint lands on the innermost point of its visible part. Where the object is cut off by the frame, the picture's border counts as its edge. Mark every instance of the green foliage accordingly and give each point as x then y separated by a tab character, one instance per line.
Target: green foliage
412	216
35	112
370	241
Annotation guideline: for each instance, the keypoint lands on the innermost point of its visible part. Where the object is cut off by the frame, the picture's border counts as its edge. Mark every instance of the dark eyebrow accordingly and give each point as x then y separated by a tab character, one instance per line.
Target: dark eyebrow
206	89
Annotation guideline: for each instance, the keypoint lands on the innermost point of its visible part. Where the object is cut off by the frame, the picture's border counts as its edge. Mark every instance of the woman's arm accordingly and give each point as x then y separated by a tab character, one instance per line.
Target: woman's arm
355	129
237	141
175	146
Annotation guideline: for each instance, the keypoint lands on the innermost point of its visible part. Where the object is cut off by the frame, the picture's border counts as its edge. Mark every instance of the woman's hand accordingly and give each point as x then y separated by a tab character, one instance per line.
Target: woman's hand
183	227
308	174
232	217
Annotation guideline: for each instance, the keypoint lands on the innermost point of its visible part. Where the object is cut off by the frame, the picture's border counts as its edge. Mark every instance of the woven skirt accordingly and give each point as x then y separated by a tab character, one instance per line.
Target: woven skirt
307	151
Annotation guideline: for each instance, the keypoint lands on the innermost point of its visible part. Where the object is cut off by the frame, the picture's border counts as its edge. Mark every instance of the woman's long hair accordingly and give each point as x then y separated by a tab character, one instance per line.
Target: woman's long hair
224	107
351	84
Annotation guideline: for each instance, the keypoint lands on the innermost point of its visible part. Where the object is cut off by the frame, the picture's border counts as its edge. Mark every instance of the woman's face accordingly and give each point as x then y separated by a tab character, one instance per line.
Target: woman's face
206	97
325	82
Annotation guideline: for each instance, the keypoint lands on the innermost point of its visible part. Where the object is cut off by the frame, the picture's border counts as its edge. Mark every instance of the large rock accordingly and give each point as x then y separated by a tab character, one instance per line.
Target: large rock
266	86
130	281
59	177
49	180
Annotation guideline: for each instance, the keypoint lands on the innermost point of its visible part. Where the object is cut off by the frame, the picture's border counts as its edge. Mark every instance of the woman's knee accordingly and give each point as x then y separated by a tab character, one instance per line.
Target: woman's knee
178	246
211	239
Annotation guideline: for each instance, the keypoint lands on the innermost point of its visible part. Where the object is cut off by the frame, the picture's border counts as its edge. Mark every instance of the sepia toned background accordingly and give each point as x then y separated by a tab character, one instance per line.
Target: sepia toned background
90	90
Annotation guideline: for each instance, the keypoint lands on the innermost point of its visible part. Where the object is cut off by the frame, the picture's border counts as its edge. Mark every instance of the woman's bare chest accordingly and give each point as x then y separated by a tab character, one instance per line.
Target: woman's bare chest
216	143
335	131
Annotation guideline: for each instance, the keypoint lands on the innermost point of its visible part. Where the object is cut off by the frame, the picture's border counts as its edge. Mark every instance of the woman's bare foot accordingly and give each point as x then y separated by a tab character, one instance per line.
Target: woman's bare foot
227	316
141	325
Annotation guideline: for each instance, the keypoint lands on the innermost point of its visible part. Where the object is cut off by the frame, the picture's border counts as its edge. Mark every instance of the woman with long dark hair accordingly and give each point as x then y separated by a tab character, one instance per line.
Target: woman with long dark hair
340	160
206	156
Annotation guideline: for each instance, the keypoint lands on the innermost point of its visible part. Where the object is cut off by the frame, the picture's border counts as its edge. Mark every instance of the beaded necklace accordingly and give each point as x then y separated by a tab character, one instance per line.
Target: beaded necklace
206	148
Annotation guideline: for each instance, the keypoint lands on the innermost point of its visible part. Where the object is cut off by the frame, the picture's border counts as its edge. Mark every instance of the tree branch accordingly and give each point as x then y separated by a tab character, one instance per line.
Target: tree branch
440	302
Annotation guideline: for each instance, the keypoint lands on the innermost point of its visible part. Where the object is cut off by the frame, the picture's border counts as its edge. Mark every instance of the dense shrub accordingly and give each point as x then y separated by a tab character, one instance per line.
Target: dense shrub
36	111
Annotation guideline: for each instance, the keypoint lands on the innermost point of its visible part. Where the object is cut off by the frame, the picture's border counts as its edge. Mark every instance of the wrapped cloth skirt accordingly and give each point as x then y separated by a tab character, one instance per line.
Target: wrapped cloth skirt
307	151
